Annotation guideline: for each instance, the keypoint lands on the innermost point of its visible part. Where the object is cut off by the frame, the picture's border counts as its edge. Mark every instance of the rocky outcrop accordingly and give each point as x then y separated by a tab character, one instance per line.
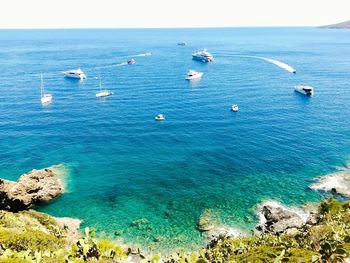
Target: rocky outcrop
71	226
275	218
207	220
35	187
222	231
337	183
211	227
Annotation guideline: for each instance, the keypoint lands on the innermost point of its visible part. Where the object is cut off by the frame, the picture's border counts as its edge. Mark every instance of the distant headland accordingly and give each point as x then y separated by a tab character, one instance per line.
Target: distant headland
342	25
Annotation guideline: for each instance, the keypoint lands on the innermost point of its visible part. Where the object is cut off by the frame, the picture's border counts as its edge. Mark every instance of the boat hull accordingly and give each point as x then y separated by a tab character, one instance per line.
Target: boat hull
203	59
75	76
197	76
309	92
46	99
103	94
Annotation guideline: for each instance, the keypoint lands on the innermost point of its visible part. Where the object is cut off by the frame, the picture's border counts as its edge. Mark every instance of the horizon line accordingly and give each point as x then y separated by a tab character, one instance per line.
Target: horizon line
194	27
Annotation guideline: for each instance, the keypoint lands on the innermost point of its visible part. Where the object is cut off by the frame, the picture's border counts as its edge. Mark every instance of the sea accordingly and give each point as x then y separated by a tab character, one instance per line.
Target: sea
146	183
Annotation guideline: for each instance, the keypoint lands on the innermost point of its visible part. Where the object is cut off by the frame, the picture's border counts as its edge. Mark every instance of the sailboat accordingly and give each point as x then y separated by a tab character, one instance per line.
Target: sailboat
102	93
46	98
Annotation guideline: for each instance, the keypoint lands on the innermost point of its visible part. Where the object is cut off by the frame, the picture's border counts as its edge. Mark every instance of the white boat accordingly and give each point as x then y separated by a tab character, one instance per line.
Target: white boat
306	90
203	55
192	74
160	117
182	44
234	108
75	73
103	93
45	98
131	61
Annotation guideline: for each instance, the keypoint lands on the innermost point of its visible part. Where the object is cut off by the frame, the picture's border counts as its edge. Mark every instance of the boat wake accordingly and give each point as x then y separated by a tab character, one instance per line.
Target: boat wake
280	64
277	63
122	64
142	55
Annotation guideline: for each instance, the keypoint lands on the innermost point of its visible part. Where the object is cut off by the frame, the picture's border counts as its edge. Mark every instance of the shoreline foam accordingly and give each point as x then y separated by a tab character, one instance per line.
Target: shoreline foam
338	182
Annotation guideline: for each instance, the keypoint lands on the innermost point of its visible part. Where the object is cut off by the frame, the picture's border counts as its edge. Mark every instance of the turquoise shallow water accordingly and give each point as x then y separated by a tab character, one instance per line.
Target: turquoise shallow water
124	166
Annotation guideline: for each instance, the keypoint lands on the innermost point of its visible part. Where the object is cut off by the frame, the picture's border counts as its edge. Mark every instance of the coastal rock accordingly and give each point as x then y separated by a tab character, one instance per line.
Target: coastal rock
219	232
207	220
71	226
35	187
337	183
276	218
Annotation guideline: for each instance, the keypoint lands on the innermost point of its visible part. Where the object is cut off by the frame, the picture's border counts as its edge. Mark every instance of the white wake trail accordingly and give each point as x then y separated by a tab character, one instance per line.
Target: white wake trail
280	64
277	63
142	55
122	64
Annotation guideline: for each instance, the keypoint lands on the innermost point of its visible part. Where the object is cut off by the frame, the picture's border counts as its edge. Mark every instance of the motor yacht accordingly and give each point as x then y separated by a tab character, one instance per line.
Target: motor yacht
182	44
160	117
203	56
131	61
306	90
75	73
192	74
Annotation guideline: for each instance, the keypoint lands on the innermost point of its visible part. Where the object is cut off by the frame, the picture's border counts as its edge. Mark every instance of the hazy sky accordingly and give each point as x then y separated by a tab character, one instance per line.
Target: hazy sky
170	13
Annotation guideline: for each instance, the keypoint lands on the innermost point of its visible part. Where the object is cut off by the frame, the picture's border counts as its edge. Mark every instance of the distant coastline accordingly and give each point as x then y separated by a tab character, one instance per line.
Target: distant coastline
342	25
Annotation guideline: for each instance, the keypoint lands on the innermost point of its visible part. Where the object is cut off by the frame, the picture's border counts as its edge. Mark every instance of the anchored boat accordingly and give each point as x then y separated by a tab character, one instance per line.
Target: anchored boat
45	98
234	108
306	90
160	117
192	74
203	55
103	93
75	73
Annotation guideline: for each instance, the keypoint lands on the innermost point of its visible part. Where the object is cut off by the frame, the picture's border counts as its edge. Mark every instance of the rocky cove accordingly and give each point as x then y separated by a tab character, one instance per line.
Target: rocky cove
41	186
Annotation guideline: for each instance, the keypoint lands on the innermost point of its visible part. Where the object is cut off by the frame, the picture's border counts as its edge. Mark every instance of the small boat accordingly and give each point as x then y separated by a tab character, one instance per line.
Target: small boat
45	98
75	74
192	74
234	108
182	44
306	90
160	117
103	93
203	56
131	61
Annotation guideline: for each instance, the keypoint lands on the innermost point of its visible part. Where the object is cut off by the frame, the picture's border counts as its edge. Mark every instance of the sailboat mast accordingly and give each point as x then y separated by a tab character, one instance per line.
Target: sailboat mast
41	85
99	76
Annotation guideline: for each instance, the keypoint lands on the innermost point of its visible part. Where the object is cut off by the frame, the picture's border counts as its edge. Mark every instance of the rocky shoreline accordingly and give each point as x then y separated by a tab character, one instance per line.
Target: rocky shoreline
337	183
33	188
41	186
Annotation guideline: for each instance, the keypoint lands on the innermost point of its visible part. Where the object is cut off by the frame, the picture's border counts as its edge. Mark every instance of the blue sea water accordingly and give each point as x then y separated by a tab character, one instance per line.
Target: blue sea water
124	166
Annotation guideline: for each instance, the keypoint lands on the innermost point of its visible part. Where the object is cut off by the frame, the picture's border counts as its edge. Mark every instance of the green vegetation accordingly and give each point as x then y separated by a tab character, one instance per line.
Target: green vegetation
35	237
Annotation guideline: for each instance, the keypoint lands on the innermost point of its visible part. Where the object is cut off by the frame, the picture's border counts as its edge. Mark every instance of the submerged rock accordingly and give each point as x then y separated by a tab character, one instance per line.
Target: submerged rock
141	224
275	218
336	183
206	221
35	187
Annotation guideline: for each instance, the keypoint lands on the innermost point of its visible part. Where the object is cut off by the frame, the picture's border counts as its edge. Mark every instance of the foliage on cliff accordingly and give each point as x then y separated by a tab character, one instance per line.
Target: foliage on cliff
327	240
35	237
